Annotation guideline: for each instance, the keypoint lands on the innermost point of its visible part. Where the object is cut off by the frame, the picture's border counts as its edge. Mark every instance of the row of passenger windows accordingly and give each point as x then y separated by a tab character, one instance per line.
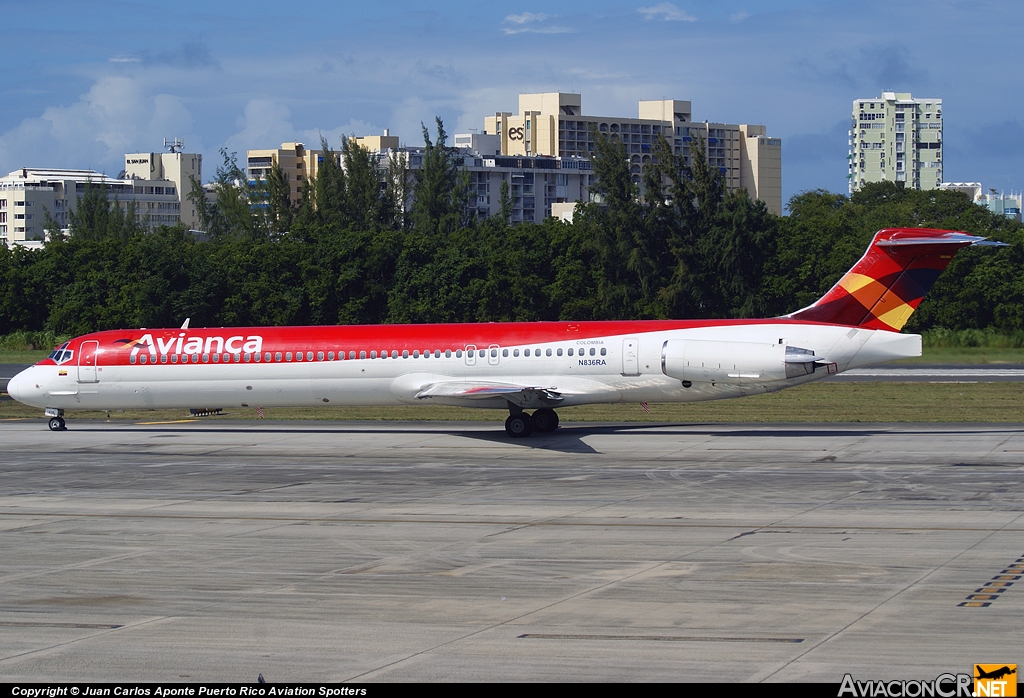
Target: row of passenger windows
330	356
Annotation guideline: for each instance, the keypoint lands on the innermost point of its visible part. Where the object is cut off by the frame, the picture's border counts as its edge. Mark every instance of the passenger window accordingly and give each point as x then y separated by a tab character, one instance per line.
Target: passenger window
437	353
603	351
320	356
238	357
246	357
494	353
298	356
216	358
526	352
394	353
287	356
227	358
373	354
362	355
351	355
559	352
470	353
330	356
405	353
309	356
515	352
504	352
447	353
458	353
206	358
592	351
163	358
547	352
132	359
174	358
416	353
570	351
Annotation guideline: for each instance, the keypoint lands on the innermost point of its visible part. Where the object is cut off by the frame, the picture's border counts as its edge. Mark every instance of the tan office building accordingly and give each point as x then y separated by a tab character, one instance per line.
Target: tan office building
152	171
553	124
896	138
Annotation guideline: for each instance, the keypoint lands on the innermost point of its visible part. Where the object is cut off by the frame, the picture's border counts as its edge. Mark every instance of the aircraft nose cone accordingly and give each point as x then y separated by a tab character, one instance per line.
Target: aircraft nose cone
12	386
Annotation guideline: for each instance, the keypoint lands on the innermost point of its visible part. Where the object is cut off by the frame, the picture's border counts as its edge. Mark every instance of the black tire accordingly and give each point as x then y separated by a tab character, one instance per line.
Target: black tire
56	424
519	426
545	420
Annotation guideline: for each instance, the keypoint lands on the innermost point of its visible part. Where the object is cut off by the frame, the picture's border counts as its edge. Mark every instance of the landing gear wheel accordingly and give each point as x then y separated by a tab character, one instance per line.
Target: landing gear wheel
545	420
519	425
57	424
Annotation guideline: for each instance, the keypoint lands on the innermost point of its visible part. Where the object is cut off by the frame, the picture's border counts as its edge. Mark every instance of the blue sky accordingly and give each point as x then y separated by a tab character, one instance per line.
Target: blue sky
84	82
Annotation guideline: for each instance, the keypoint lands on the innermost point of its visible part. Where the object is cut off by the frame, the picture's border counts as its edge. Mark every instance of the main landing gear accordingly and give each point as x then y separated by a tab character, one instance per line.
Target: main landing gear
520	425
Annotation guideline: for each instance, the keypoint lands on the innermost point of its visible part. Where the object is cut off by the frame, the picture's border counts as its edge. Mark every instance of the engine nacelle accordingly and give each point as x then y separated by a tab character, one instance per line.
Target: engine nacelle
713	361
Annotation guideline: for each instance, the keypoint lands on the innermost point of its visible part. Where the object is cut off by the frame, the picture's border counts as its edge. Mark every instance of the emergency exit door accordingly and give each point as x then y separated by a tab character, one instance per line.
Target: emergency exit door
631	357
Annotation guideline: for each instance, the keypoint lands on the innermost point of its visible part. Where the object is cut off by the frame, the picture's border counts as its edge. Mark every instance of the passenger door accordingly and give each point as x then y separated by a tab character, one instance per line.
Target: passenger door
87	356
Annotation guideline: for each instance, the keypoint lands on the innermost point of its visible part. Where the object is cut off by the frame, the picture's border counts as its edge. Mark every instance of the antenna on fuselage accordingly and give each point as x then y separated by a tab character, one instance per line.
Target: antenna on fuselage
184	325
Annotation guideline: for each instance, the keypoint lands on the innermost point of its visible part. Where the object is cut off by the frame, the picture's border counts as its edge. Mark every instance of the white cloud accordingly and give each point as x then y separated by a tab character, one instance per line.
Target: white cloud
667	12
267	124
525	18
113	118
533	23
739	16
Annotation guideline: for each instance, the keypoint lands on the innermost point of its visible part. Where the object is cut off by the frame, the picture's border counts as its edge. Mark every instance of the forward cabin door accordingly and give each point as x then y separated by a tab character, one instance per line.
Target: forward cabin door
631	356
87	354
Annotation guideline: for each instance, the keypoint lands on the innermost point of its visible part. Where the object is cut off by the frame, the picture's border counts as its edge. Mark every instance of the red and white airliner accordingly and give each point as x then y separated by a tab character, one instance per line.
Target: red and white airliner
521	366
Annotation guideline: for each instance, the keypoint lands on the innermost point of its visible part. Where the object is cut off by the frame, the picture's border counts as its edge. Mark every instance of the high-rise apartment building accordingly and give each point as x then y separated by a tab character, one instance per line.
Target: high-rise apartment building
553	124
896	138
157	184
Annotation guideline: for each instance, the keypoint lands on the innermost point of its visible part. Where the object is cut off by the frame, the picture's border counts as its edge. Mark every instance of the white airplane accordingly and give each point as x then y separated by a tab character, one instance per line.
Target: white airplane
521	366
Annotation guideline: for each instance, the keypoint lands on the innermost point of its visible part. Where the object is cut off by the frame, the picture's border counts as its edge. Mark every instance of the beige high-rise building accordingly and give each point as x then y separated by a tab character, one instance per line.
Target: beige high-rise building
296	161
553	124
896	138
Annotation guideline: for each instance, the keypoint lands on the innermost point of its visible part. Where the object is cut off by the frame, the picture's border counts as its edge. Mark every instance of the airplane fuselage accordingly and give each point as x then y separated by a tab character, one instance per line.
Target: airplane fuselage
494	365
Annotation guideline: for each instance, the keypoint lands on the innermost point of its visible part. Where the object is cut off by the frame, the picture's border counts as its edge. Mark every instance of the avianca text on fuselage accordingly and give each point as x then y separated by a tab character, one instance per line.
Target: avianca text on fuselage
185	344
536	366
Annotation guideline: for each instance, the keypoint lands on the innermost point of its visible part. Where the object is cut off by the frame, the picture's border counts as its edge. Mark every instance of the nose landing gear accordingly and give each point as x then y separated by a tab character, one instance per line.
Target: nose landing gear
56	422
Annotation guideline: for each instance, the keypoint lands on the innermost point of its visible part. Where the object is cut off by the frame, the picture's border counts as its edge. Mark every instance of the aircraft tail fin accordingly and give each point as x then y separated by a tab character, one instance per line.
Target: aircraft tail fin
887	284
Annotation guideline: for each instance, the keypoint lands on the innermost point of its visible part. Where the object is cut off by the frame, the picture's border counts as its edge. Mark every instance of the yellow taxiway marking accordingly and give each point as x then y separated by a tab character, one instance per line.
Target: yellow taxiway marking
176	421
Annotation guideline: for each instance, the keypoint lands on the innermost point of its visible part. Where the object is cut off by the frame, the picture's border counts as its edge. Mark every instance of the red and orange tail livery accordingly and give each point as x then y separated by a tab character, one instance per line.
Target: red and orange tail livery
884	288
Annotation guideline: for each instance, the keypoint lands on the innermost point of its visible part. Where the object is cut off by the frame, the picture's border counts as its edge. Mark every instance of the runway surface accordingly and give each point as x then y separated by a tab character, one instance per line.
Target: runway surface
446	551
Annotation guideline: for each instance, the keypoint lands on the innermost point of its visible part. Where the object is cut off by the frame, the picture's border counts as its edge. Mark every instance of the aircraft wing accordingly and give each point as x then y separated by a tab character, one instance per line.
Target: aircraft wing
523	395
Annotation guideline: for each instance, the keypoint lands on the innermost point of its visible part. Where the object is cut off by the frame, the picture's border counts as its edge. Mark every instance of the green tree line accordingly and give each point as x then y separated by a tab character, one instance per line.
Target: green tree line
676	245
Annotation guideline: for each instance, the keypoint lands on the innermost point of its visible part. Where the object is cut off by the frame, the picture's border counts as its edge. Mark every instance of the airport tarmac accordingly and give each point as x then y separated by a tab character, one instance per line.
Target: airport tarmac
446	551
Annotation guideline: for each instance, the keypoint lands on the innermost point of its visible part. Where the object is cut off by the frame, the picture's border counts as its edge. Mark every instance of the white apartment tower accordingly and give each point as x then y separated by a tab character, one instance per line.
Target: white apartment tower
896	138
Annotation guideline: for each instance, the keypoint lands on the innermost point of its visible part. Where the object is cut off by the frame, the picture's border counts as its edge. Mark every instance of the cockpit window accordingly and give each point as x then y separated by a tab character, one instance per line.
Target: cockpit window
62	354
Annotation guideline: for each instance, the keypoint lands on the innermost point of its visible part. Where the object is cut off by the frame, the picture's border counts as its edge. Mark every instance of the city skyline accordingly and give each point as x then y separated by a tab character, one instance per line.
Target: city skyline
128	74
